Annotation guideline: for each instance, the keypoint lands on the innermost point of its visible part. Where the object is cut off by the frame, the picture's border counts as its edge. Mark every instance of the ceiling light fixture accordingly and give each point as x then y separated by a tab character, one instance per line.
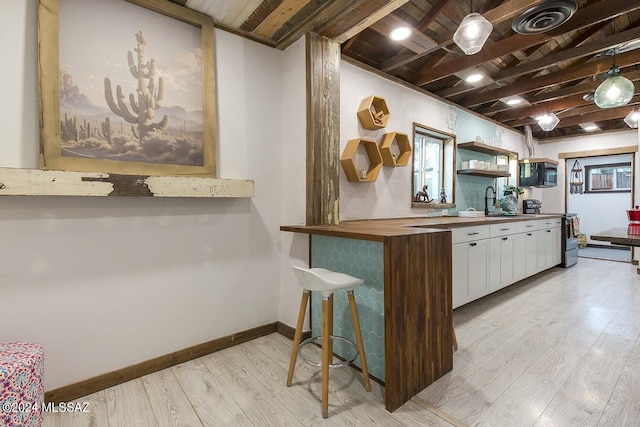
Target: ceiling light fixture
589	127
400	33
473	32
514	101
633	118
616	90
548	121
474	78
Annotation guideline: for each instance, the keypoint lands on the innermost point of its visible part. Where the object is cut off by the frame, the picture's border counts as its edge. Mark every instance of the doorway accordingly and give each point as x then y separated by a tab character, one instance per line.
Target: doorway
601	201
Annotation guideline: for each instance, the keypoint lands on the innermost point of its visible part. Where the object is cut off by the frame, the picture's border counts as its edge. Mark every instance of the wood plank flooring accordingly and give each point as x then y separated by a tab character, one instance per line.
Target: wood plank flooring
560	349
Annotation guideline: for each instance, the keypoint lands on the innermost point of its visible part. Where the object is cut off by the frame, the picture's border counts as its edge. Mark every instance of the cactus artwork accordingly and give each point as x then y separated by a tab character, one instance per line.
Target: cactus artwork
149	96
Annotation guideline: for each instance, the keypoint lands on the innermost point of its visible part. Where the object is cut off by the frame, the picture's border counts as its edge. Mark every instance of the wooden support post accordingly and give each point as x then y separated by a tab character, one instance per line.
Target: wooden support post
323	130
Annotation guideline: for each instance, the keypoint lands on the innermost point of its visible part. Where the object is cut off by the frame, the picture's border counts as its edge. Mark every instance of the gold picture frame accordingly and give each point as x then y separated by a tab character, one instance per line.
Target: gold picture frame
130	139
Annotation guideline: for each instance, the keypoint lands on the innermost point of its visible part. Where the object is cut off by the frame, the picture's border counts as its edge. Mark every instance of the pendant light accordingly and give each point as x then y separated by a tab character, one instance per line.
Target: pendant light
473	32
616	90
548	121
633	118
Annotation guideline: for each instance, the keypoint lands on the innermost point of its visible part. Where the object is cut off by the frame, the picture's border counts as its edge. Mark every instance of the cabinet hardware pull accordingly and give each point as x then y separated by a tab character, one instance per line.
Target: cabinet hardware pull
529	234
505	238
529	225
548	231
473	234
505	229
472	244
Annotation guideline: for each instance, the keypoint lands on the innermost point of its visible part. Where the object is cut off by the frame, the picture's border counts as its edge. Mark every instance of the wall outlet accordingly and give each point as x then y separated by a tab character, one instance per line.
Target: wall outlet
444	212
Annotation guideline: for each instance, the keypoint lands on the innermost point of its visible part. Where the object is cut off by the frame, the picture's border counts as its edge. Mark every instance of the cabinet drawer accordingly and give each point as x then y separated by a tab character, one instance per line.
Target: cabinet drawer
549	223
468	234
526	226
497	230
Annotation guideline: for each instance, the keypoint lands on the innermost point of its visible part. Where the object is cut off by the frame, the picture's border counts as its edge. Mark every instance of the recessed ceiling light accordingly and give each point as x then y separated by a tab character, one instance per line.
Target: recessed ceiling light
474	78
514	101
589	127
400	33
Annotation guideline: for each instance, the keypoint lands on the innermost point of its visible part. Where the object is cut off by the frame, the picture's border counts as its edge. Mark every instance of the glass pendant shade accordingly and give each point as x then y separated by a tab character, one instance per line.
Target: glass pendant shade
633	118
548	122
615	91
473	32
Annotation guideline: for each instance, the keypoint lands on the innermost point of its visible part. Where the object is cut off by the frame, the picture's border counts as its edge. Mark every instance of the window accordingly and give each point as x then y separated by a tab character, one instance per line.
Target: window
608	178
427	169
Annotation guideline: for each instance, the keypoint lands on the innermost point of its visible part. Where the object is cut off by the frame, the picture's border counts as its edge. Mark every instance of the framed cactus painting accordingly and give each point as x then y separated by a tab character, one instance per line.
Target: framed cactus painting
126	87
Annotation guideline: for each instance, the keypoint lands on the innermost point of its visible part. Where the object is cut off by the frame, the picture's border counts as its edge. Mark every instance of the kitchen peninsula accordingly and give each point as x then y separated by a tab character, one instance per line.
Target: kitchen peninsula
411	285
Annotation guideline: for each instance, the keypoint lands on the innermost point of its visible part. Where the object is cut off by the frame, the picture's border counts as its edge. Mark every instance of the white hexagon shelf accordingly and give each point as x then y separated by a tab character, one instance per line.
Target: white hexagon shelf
395	149
348	160
373	113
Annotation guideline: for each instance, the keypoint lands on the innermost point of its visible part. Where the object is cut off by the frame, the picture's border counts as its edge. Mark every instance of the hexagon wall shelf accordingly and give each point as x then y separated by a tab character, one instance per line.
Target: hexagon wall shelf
373	113
401	141
349	165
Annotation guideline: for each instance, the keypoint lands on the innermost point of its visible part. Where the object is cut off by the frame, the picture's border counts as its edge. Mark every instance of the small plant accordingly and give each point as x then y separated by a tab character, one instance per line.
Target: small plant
510	189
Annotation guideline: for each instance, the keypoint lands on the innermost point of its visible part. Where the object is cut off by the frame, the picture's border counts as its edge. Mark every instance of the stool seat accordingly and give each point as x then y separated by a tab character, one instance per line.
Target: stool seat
325	281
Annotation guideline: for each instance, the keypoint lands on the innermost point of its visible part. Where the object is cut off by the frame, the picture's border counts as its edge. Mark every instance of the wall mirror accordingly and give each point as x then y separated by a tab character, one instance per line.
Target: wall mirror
434	159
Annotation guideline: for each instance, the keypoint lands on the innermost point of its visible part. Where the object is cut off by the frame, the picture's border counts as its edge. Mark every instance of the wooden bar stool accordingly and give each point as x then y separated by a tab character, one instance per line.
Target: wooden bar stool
326	282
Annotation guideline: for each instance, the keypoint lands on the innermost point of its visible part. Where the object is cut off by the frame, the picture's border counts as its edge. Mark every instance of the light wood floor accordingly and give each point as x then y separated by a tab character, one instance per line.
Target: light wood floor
561	349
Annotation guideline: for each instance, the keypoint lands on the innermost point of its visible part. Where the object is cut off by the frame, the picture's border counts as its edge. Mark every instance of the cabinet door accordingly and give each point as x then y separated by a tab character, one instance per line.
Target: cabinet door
554	249
520	256
460	264
548	248
531	257
501	265
478	268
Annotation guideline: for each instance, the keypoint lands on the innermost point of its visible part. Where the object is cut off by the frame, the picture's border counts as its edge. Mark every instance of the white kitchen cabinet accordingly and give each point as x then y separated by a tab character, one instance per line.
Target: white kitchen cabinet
501	246
470	264
549	243
525	261
501	262
487	258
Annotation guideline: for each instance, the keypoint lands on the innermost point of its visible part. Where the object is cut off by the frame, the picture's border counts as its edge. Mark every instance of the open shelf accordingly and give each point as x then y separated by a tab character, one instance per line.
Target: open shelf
373	113
348	160
36	182
484	172
401	141
486	149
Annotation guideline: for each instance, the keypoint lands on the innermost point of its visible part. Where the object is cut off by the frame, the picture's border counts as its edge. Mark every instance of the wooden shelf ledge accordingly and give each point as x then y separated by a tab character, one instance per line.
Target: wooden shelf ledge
36	182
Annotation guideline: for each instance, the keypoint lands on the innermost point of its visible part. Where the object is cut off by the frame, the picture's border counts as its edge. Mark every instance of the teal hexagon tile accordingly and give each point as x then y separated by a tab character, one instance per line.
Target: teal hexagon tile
361	259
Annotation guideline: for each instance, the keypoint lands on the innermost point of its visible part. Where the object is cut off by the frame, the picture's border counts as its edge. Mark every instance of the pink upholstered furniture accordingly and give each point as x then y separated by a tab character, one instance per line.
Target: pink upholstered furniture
21	384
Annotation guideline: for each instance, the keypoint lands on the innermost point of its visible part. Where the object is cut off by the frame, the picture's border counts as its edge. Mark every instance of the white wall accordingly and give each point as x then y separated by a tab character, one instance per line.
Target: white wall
390	195
553	199
294	246
107	283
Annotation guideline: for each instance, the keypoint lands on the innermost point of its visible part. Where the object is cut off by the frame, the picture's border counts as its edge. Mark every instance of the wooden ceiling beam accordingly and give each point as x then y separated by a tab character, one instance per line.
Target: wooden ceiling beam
536	110
582	18
506	11
430	16
417	42
326	13
567	75
281	14
373	17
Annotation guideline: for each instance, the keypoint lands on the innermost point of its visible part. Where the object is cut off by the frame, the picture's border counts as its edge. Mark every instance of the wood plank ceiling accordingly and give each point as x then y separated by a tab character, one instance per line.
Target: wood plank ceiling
555	70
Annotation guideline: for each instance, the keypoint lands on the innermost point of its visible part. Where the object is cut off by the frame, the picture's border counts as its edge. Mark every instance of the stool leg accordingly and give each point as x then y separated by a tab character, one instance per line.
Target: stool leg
298	336
356	326
326	354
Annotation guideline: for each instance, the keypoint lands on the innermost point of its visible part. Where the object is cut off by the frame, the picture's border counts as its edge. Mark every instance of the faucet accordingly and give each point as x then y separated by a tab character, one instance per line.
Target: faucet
486	198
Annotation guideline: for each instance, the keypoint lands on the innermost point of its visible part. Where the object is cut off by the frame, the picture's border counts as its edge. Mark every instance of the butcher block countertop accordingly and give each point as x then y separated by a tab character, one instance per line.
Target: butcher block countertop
381	229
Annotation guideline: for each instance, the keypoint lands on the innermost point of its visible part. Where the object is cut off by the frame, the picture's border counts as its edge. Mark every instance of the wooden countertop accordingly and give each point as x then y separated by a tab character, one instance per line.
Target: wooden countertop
381	229
618	236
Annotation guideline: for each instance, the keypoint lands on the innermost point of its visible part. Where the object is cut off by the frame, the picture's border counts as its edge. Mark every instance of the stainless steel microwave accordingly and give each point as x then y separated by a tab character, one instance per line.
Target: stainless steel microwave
538	173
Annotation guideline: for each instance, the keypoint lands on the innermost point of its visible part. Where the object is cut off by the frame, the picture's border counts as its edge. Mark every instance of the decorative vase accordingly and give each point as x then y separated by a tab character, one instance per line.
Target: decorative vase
509	203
